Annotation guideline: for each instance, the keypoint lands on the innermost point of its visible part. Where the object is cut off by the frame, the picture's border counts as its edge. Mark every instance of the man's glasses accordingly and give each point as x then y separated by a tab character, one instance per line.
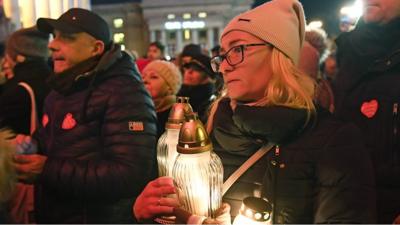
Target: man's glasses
233	56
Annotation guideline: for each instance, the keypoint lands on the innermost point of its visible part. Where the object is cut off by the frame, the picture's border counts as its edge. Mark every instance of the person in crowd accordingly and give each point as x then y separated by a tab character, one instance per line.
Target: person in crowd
319	170
215	51
198	84
7	173
98	131
367	93
25	61
313	52
154	52
163	80
188	52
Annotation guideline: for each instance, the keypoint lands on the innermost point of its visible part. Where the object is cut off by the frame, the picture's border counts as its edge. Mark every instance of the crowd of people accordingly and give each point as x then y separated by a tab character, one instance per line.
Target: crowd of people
83	117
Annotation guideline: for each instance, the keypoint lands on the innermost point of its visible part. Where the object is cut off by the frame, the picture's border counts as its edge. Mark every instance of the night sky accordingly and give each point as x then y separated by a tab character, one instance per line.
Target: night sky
325	10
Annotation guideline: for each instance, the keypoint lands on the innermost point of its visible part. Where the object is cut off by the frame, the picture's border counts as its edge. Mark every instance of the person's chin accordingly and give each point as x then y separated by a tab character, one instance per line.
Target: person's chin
372	15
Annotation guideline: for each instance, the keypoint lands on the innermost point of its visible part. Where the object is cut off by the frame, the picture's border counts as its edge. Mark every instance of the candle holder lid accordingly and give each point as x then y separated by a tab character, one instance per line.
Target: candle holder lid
178	111
257	209
193	137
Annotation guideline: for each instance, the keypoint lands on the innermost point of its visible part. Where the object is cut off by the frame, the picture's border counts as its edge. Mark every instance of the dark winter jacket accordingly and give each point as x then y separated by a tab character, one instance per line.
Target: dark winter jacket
368	94
320	173
162	118
15	101
99	134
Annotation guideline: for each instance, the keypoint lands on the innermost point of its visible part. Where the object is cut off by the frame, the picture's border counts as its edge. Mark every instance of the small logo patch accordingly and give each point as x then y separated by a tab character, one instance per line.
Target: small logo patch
45	120
369	108
69	122
136	126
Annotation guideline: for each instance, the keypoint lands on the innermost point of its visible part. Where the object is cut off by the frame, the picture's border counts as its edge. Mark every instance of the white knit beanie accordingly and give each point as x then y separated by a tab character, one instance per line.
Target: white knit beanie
168	71
278	22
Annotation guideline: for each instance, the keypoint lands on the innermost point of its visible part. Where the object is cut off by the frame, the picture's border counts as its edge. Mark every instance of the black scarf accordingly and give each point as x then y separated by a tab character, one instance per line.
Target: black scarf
235	132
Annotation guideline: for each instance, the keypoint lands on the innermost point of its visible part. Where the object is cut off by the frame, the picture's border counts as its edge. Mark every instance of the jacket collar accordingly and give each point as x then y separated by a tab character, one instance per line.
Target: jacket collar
81	75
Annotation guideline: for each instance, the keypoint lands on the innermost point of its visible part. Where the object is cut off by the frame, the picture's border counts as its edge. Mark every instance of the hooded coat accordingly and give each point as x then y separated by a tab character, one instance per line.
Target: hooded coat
99	134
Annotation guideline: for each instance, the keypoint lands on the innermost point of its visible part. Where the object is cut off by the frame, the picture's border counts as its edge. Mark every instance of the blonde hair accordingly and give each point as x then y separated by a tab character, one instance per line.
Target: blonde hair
288	87
7	172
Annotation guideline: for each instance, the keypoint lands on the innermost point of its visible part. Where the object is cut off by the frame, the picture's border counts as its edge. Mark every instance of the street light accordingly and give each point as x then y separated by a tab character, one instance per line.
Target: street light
316	24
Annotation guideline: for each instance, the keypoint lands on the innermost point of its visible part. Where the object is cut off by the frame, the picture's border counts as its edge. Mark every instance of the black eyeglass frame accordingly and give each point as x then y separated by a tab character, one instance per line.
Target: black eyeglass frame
217	60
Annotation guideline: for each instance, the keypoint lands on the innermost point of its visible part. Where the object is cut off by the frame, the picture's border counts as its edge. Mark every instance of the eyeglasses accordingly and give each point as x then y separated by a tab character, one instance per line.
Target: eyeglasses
233	56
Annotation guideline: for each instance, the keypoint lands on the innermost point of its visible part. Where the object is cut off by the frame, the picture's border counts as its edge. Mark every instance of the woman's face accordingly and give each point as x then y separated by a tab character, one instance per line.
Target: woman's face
246	81
193	77
155	84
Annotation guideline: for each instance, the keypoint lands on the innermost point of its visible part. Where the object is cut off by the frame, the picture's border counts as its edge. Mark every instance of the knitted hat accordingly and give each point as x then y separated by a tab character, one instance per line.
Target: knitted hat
168	71
278	22
28	42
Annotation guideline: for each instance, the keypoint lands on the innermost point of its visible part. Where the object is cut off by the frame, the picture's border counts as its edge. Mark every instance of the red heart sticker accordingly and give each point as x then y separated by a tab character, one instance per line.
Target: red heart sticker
45	120
69	122
369	108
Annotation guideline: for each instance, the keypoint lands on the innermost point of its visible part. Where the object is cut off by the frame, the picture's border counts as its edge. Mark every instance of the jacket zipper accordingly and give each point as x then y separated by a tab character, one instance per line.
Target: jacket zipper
275	162
395	131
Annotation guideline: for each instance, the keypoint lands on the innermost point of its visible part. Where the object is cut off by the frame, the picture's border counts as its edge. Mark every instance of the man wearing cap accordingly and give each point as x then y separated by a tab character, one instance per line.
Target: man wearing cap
367	93
98	131
198	84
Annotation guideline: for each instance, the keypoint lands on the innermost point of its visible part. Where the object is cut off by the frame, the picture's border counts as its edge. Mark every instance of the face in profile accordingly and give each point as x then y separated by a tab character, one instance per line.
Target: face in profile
247	74
194	77
154	53
7	66
69	50
380	11
155	84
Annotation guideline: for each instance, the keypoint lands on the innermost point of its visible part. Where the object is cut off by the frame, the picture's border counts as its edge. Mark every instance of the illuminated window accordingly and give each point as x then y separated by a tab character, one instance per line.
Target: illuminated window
186	34
171	16
123	47
119	37
186	16
118	23
202	15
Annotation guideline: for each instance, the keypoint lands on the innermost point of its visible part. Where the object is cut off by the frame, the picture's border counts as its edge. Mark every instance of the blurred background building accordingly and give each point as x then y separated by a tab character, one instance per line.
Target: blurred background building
174	23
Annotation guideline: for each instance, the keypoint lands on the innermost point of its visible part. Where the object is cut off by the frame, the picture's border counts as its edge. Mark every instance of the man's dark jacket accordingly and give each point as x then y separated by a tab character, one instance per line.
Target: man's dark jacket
99	134
368	94
320	173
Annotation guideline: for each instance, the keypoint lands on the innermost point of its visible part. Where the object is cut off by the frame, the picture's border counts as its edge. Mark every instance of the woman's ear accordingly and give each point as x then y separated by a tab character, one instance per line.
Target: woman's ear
99	47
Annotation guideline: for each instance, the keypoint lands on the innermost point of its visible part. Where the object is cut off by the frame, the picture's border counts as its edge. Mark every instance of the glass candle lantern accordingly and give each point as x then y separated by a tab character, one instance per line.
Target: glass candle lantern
166	146
254	211
197	172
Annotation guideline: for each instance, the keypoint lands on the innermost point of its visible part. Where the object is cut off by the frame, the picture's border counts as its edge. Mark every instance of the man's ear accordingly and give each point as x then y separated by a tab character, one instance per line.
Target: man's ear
98	48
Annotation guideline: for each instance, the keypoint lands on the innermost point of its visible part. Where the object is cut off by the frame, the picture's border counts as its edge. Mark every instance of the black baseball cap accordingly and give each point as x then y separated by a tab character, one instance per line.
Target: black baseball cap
202	63
77	20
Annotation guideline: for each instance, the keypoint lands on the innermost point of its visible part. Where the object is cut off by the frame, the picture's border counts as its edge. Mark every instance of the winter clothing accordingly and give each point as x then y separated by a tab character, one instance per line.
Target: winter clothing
28	42
99	134
200	98
162	118
287	35
318	173
202	63
15	101
367	93
168	71
78	20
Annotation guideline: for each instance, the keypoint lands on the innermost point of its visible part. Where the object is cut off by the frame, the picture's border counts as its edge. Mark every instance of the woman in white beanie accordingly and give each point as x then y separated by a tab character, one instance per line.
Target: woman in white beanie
163	80
318	170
